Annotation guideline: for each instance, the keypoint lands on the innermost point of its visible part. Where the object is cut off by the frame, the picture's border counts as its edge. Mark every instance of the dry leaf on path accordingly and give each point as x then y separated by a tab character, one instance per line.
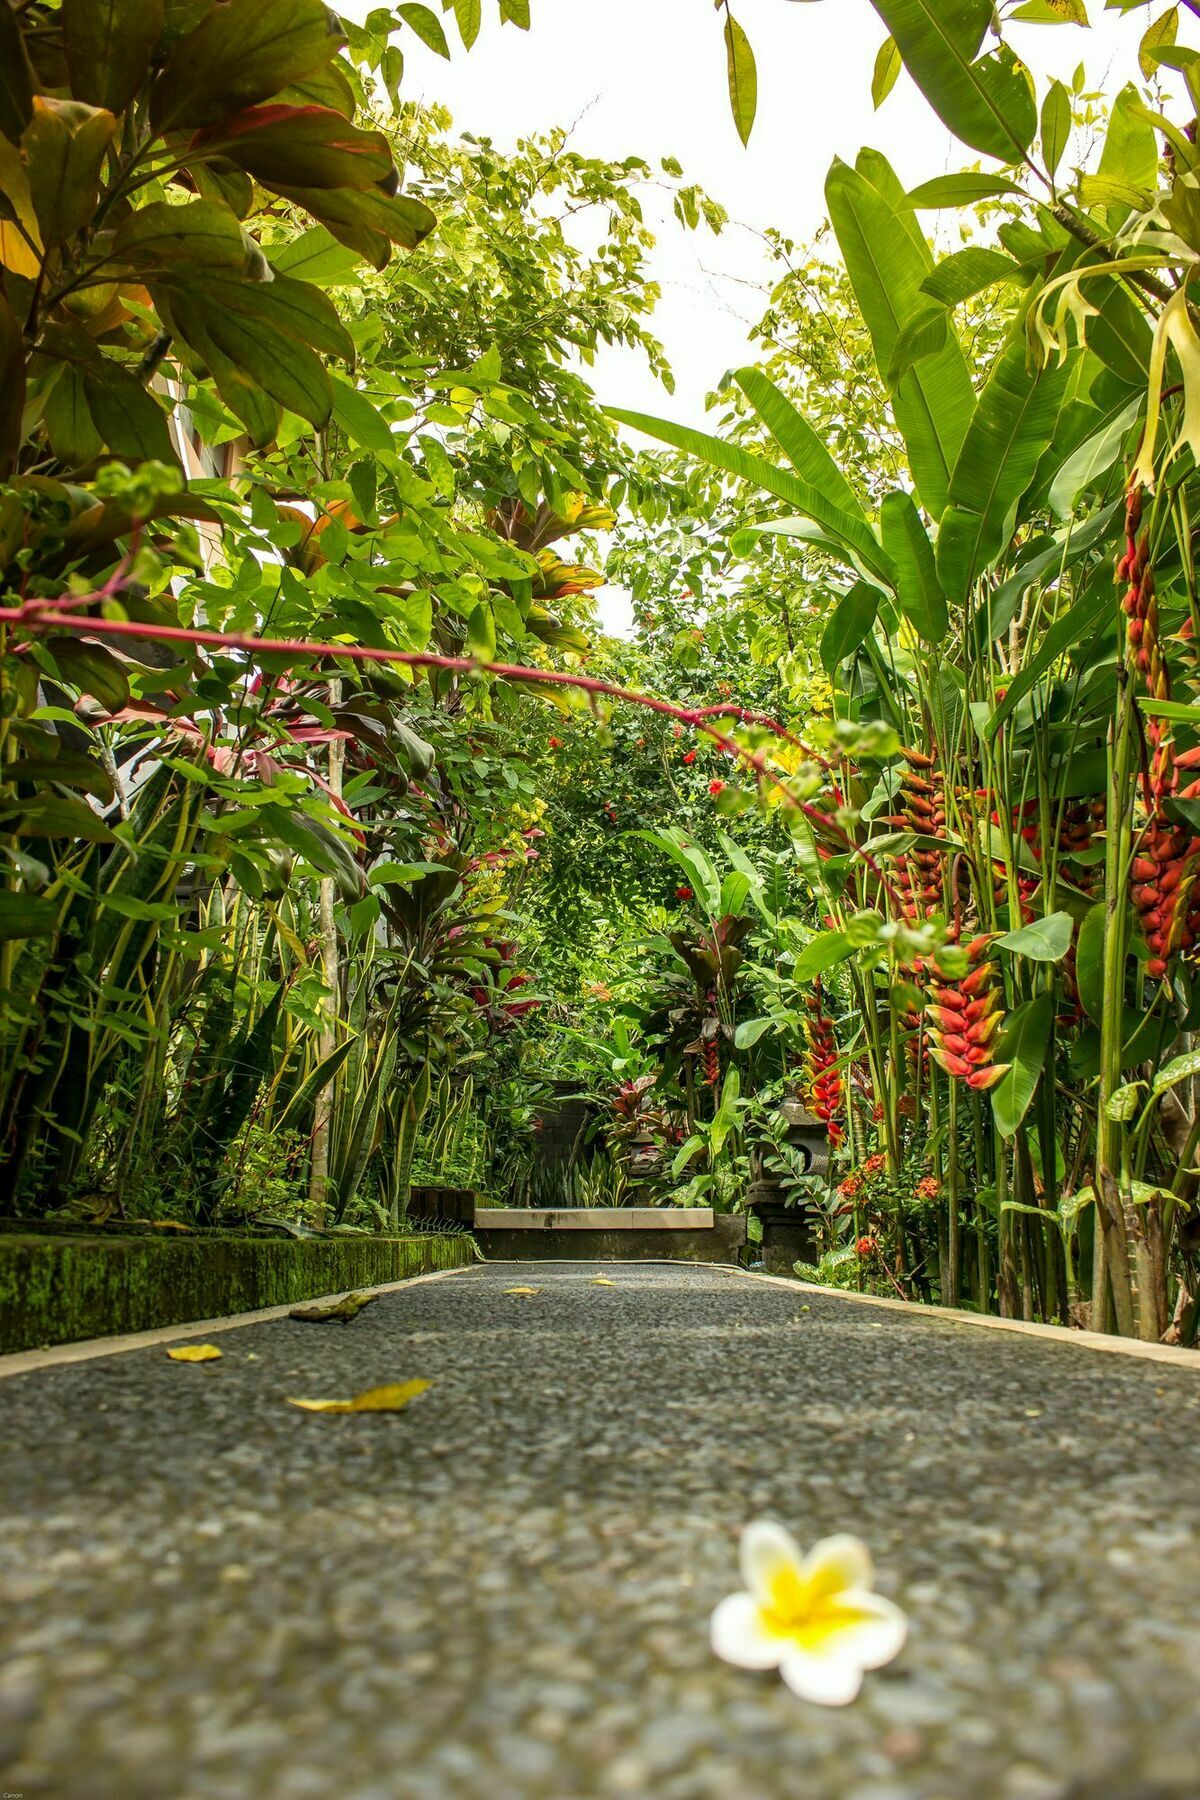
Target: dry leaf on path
380	1399
343	1310
602	1281
522	1290
195	1353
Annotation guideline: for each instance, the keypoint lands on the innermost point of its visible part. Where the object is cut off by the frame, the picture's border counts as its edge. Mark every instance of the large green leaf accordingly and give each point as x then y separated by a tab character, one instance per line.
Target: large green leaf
1060	553
58	817
241	52
917	589
1093	460
108	46
68	419
986	101
201	235
299	146
127	416
362	422
1023	1047
469	14
843	527
63	148
1076	624
1012	425
1130	153
367	222
702	876
272	333
933	400
851	620
12	387
25	916
17	79
1042	940
742	75
316	256
801	445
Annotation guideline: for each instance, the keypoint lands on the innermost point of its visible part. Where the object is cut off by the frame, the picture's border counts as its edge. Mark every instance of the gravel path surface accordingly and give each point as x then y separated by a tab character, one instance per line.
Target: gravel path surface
206	1594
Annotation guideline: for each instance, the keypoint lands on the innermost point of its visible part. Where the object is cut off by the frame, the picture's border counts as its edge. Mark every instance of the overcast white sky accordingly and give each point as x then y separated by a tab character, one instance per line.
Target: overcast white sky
647	77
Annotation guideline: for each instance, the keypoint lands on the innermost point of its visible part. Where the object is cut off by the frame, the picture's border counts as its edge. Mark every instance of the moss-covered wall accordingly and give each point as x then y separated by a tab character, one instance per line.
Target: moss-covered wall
56	1290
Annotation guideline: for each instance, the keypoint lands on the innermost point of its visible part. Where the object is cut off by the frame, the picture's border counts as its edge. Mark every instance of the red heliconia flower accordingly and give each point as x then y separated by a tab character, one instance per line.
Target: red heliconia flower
922	804
964	1018
1167	863
710	1059
717	787
821	1067
684	893
689	756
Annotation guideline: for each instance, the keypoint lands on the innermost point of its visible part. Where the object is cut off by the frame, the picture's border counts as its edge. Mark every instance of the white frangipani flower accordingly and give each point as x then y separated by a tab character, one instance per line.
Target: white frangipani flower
814	1618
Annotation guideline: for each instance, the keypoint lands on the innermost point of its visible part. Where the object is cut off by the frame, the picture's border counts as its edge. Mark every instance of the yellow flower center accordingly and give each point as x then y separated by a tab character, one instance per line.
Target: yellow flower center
810	1613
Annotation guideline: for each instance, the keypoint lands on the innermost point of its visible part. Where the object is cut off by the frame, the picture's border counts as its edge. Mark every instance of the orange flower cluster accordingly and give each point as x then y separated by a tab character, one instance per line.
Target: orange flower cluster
928	1188
821	1068
964	1018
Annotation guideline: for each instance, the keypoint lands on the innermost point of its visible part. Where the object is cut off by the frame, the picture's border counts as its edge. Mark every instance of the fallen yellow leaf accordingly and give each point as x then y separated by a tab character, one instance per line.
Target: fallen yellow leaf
381	1399
602	1281
343	1310
522	1290
195	1353
168	1225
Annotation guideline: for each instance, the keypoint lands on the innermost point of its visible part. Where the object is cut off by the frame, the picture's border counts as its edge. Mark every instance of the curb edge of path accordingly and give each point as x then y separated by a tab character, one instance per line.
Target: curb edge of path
1171	1354
26	1362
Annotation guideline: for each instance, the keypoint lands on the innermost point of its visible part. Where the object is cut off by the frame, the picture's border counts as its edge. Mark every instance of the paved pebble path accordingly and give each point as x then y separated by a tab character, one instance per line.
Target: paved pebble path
503	1593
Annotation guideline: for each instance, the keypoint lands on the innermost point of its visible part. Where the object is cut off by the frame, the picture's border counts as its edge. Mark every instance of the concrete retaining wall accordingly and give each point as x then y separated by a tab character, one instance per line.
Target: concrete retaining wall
609	1234
57	1290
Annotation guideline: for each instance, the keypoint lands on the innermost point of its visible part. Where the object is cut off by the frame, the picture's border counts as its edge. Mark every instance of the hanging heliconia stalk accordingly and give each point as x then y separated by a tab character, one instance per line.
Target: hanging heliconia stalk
1168	857
821	1068
710	1043
964	1017
922	809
